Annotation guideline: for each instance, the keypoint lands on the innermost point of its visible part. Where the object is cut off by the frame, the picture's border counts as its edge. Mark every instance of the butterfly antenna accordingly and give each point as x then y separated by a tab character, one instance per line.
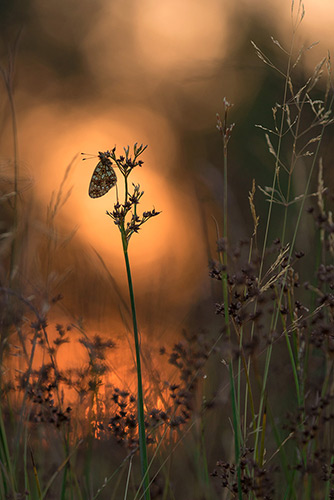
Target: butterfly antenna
89	156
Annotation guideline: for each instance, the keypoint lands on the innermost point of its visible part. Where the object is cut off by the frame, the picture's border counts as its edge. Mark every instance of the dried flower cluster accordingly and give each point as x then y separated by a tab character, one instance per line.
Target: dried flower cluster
259	481
120	213
128	209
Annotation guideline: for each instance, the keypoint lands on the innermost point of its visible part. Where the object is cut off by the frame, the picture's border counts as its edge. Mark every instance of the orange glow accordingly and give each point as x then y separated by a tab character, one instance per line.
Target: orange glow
95	406
148	72
166	239
139	83
178	36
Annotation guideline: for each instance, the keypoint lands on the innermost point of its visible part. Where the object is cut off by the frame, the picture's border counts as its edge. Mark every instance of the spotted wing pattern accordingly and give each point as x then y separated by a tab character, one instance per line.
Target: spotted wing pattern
103	178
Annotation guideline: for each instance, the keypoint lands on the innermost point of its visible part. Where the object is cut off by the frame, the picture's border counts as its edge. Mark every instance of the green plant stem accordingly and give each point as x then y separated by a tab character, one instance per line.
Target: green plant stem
7	472
225	203
205	470
275	178
223	261
126	189
16	177
277	164
8	81
128	479
141	420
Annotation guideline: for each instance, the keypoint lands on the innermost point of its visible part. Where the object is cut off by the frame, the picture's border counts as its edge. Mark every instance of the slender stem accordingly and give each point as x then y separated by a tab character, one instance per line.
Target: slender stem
16	177
128	480
8	77
141	421
223	260
271	202
126	188
278	154
225	201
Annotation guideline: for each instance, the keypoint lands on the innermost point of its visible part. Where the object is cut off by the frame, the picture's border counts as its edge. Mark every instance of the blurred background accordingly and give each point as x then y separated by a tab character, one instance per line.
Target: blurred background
93	75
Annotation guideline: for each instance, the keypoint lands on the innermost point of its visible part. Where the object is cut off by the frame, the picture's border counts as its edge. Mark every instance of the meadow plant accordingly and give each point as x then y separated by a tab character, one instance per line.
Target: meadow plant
128	221
263	299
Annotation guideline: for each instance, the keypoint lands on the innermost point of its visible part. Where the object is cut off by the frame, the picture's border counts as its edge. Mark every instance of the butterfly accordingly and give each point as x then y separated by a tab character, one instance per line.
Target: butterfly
103	178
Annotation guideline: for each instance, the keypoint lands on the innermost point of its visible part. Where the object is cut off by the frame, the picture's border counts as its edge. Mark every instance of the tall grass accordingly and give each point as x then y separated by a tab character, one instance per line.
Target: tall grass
294	141
247	411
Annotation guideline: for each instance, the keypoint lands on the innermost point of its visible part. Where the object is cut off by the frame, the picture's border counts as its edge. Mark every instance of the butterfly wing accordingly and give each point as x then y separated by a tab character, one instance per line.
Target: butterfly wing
103	179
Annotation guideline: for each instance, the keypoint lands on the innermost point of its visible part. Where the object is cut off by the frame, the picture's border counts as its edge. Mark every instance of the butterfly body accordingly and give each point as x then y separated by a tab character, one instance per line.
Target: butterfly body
103	178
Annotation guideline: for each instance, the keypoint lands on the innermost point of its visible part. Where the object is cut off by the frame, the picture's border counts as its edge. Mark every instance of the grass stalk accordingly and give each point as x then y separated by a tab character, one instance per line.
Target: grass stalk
8	77
7	467
128	479
141	418
226	131
38	486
